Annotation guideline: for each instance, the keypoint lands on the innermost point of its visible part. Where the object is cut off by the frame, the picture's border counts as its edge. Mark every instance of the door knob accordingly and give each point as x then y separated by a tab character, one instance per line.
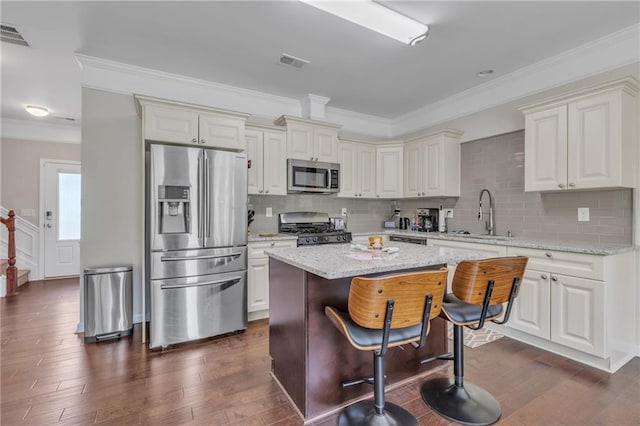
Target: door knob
48	225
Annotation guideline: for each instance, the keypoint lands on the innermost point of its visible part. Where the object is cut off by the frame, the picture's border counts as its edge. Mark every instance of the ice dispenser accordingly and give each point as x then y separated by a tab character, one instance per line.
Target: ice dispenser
173	209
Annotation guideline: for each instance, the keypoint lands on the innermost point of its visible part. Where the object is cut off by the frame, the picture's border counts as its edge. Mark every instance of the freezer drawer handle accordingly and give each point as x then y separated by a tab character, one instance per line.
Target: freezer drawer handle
207	256
219	282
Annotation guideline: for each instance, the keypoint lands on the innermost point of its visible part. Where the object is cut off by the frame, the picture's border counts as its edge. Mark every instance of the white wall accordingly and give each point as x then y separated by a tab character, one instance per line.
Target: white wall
112	179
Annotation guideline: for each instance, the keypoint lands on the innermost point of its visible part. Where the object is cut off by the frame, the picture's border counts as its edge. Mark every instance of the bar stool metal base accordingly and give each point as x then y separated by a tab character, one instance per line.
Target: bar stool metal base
468	404
363	413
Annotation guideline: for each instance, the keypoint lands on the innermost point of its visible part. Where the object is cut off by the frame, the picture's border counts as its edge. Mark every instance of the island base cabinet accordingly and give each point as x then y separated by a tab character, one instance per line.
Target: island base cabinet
311	359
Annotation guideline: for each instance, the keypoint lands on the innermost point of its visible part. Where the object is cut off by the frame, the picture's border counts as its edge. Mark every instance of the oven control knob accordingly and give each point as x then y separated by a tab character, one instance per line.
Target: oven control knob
307	240
315	239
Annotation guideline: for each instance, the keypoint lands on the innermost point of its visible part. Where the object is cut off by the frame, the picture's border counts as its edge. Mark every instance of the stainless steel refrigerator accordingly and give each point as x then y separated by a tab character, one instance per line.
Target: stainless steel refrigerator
196	231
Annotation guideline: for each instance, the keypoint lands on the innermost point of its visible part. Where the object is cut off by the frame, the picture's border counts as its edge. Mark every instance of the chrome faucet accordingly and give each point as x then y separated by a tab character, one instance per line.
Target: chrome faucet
487	225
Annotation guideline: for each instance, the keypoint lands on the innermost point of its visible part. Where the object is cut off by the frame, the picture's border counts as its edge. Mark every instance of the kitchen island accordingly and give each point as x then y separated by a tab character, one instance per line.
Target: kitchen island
310	358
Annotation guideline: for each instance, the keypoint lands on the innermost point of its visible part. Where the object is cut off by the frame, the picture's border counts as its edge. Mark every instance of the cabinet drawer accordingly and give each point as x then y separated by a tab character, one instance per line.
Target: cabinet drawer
490	249
256	250
573	264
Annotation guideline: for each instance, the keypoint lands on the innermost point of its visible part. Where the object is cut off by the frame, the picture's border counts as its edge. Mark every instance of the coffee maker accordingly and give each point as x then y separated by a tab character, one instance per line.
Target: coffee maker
428	219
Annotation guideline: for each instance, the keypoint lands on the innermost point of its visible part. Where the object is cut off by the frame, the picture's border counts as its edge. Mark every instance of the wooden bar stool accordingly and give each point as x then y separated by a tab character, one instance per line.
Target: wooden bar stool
385	312
479	290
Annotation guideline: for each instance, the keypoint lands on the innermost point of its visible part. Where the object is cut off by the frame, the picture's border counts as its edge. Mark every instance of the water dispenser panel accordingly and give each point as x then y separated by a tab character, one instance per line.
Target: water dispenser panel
173	209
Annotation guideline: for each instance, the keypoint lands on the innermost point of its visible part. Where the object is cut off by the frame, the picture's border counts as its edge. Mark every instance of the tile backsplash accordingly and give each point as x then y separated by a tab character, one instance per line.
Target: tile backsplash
496	163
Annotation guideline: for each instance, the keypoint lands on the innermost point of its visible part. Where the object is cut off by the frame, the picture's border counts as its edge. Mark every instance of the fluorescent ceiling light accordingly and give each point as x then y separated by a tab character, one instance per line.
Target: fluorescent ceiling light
38	111
375	17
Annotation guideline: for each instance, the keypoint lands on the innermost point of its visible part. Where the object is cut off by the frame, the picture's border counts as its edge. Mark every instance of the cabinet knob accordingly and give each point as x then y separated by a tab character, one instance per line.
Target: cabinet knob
548	254
543	276
418	194
378	195
561	185
266	191
423	193
260	191
572	185
273	244
194	140
554	278
202	140
311	158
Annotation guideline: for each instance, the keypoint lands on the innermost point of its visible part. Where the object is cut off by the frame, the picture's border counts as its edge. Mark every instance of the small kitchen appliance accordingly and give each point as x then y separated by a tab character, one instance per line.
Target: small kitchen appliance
428	219
315	177
312	228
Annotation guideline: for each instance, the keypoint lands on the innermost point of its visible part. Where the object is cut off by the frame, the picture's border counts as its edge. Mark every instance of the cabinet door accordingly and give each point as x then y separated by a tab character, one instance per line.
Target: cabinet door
595	142
222	132
413	177
366	168
348	158
577	314
325	144
254	156
275	163
300	142
530	312
389	172
545	150
258	284
170	125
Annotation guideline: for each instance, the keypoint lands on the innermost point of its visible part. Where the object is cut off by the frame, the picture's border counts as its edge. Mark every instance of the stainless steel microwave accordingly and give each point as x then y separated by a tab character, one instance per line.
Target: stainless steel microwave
312	177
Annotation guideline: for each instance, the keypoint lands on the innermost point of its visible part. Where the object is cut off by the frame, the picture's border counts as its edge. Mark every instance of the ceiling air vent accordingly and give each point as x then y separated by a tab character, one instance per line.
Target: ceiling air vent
10	34
293	61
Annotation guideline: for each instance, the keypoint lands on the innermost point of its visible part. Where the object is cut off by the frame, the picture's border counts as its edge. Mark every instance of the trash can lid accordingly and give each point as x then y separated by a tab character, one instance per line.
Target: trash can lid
107	269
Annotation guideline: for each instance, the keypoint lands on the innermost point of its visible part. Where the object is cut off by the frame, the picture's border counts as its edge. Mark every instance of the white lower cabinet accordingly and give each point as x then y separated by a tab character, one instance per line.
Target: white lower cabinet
491	250
576	305
258	277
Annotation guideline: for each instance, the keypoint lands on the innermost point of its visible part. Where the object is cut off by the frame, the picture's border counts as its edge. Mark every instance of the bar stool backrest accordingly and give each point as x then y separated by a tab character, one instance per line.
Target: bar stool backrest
471	278
368	298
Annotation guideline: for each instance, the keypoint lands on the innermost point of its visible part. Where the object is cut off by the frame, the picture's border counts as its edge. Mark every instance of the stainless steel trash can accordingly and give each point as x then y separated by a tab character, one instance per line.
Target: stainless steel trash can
108	303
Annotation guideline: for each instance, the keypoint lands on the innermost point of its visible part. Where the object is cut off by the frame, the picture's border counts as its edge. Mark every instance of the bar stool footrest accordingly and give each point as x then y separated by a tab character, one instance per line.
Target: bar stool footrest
468	404
363	413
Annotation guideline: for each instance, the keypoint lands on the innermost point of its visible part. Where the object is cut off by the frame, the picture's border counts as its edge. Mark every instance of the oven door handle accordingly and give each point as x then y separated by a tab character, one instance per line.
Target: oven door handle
199	284
205	256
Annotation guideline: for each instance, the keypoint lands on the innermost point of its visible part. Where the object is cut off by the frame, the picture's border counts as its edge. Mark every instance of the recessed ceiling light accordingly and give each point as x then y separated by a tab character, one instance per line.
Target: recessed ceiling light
38	111
484	73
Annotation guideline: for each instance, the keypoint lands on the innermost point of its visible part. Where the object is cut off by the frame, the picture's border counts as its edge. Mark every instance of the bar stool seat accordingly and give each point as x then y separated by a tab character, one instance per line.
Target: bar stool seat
385	312
480	288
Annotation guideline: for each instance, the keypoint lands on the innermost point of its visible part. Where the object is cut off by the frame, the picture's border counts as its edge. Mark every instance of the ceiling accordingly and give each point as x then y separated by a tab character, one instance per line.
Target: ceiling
239	44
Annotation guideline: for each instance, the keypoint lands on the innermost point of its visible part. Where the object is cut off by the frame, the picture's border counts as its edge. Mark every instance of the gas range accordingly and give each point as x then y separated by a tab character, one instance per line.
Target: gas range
312	228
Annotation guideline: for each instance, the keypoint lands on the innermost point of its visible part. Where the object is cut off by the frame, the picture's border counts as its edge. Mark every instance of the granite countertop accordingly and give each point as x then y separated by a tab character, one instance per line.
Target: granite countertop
277	237
573	247
334	261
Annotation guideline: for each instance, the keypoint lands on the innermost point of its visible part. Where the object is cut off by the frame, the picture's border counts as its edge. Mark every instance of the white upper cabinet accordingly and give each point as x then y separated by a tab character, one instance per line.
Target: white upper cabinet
357	169
310	140
176	122
584	140
389	171
432	165
266	150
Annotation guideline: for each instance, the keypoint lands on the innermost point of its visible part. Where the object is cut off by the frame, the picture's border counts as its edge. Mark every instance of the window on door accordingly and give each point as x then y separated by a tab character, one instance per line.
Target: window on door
69	206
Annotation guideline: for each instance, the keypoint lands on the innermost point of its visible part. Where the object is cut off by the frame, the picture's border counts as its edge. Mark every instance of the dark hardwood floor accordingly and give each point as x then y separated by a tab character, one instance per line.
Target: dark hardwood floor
49	376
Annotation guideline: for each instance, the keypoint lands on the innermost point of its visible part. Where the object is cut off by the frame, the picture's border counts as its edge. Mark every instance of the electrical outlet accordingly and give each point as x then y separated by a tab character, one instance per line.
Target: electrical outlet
344	211
583	214
448	213
269	212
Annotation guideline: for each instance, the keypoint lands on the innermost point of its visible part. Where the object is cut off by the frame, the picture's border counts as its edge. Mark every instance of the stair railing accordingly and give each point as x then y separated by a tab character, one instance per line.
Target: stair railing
12	271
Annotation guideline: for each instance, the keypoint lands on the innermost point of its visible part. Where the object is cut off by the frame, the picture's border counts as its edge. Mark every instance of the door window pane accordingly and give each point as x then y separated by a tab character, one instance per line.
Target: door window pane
68	206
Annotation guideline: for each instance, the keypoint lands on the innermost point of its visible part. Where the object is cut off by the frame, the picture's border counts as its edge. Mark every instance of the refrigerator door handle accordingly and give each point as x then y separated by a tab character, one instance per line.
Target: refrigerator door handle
200	214
186	285
207	197
206	256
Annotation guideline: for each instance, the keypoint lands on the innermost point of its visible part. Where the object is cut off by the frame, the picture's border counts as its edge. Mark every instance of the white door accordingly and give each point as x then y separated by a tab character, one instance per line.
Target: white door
61	218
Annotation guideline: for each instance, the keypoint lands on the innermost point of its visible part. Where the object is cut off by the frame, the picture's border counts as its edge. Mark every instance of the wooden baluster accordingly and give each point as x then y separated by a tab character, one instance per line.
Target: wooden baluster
12	271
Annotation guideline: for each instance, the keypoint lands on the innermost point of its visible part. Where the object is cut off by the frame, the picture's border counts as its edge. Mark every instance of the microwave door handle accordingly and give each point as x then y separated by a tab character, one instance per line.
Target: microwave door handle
202	283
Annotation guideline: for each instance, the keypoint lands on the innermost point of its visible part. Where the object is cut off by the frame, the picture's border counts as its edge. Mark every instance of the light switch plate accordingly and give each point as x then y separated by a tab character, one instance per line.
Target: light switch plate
269	212
344	211
583	214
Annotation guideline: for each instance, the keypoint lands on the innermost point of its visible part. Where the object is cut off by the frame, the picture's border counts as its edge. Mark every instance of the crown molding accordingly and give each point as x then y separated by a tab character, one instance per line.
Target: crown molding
103	74
604	54
356	122
39	131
